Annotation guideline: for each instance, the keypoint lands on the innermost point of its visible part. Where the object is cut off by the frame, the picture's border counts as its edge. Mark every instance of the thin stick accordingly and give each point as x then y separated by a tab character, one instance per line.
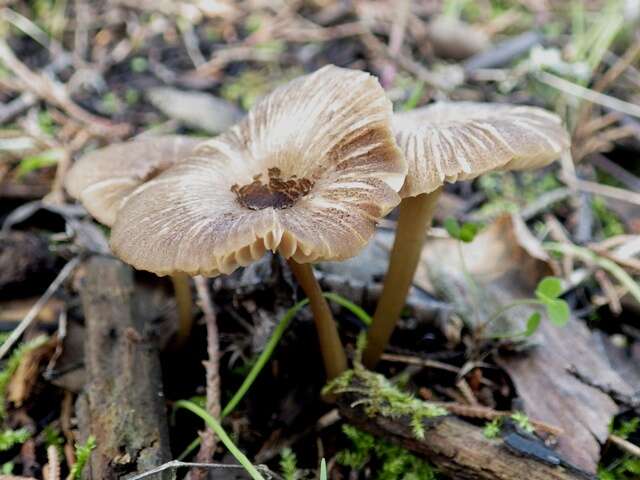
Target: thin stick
51	470
415	218
213	466
184	302
625	445
588	94
208	445
592	258
487	413
333	355
424	362
42	301
600	189
56	94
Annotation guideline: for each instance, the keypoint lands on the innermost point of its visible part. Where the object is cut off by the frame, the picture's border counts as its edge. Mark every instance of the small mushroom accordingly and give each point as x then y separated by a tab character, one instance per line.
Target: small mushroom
447	142
306	174
104	178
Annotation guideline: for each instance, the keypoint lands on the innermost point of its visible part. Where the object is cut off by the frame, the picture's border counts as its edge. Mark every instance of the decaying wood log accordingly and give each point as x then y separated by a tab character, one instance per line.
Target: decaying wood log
460	450
122	406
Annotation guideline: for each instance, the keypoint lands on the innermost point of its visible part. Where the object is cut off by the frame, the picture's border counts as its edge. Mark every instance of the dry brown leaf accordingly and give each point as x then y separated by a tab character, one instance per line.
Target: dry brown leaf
557	380
26	376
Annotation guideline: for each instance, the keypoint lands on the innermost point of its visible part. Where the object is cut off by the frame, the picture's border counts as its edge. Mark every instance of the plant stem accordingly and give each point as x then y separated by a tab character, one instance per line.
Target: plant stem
268	350
333	355
212	367
416	214
264	356
184	303
503	310
224	438
591	257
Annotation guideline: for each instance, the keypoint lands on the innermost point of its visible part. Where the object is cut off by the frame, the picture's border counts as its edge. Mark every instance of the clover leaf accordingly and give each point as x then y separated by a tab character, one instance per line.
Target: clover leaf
548	291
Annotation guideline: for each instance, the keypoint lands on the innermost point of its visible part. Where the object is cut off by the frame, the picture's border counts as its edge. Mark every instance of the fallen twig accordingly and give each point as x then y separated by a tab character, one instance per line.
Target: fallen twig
592	258
42	301
486	413
17	106
459	449
208	446
625	445
600	189
55	93
590	95
174	464
122	406
52	468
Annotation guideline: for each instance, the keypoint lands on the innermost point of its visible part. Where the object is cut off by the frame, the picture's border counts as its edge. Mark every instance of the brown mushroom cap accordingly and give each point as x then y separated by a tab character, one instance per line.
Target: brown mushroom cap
447	142
307	173
102	179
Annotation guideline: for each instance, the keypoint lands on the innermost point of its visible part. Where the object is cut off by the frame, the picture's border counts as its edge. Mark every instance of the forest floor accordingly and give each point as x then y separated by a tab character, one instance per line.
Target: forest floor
95	382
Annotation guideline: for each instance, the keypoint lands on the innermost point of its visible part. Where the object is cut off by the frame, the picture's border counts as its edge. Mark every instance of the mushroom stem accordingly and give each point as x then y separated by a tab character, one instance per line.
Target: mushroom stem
416	214
333	355
184	303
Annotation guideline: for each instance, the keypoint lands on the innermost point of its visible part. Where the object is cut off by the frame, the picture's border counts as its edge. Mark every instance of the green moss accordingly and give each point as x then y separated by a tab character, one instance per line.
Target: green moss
10	438
625	428
251	85
82	454
624	468
389	461
289	464
492	429
507	193
53	437
378	396
609	221
522	420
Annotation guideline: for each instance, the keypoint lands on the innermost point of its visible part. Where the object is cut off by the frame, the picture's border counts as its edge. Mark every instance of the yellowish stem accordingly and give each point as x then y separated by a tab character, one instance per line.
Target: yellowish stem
333	355
416	214
184	304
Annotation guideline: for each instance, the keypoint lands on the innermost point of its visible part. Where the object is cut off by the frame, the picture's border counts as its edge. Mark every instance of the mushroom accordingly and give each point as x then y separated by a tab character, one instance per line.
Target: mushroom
306	174
103	179
447	142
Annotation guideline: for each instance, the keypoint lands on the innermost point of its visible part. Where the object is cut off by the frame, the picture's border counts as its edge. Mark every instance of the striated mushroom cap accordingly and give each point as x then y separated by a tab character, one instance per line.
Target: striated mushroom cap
447	142
307	173
102	179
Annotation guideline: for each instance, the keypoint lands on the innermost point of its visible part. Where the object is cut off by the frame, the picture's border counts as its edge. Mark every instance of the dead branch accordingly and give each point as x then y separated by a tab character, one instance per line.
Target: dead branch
123	405
209	441
459	449
56	94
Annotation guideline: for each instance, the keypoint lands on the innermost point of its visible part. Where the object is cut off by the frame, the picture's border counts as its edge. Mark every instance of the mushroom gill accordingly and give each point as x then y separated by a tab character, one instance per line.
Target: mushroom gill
307	173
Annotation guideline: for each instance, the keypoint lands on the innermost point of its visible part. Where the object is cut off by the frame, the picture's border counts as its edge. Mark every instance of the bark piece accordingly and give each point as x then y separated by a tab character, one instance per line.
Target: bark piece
459	449
123	404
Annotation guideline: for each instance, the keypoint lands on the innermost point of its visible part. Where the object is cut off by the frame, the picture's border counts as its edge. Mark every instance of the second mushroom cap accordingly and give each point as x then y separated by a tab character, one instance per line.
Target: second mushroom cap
451	141
104	178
